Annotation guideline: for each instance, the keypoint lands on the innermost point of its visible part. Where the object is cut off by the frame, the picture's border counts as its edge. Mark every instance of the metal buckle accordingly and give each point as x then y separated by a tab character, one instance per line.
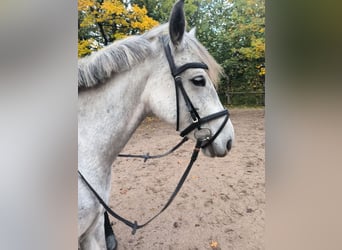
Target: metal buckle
202	134
194	121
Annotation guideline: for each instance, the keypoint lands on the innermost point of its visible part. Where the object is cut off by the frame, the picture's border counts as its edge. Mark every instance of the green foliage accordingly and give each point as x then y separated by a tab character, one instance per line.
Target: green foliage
234	33
160	9
100	22
232	30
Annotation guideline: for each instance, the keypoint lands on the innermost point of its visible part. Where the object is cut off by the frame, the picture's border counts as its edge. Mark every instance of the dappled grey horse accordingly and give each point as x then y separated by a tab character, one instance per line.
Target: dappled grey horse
123	83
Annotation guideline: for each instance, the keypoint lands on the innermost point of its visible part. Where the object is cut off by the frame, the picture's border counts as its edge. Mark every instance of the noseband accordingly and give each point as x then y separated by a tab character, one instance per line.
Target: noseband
197	121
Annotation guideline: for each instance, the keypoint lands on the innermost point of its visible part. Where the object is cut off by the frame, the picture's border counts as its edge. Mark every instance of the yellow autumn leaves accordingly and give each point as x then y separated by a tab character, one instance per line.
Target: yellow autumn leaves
213	244
140	20
103	21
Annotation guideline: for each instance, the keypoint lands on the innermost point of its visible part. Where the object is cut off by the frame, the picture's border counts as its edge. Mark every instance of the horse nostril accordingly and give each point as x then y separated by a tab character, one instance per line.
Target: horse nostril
229	145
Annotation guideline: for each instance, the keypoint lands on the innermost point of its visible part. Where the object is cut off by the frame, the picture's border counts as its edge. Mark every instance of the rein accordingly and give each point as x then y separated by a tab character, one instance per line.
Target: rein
134	225
203	136
148	156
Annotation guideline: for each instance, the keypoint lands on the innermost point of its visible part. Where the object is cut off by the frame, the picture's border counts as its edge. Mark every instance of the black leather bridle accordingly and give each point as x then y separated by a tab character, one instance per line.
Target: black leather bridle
197	121
202	135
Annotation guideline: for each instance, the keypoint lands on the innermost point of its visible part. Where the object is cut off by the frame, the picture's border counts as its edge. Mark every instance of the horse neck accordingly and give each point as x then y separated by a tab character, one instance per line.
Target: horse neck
110	113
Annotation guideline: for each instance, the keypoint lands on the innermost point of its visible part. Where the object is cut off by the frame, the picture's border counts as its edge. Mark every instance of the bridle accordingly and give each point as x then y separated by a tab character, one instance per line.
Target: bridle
197	121
203	136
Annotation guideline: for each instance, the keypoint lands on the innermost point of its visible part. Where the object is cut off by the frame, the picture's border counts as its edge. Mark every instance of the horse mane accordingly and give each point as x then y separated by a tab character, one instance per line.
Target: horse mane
115	58
124	54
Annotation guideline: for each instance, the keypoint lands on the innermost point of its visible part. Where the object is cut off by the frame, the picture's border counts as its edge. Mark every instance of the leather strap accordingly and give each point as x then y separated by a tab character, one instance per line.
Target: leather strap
148	156
197	120
175	72
205	119
134	225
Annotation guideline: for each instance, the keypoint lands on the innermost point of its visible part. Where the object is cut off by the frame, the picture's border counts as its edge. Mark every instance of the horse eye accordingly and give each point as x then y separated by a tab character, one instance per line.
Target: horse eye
198	81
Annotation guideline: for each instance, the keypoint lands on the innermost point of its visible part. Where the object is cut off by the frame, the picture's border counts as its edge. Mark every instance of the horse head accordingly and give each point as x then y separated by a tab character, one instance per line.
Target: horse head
182	89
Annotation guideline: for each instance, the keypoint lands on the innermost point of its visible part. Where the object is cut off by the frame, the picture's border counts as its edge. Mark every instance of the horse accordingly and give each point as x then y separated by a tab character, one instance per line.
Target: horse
126	81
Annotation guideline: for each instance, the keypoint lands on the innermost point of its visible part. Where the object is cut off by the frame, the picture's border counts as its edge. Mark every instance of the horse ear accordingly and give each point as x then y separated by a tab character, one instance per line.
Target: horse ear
177	23
192	32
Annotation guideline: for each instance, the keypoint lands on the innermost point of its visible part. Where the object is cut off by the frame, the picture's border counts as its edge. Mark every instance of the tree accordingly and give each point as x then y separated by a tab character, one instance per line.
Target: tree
246	31
100	22
160	9
234	33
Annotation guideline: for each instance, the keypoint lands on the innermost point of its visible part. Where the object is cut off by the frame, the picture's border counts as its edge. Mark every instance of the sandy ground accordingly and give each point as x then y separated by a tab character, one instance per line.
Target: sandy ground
221	205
